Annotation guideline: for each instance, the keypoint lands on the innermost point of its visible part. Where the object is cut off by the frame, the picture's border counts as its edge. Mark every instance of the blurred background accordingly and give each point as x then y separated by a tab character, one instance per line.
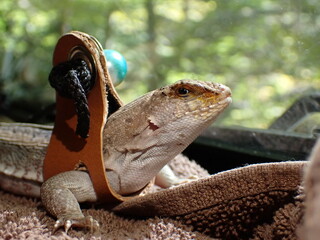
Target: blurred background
266	51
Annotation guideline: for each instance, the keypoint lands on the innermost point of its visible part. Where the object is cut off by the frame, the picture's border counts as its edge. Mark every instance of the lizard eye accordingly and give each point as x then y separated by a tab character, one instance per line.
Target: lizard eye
183	92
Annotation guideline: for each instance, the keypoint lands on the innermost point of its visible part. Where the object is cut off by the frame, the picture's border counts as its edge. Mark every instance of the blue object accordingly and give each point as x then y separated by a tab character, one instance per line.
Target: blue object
117	65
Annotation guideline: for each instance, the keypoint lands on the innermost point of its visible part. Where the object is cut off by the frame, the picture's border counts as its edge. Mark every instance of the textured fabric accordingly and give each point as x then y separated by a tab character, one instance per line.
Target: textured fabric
230	204
311	222
256	201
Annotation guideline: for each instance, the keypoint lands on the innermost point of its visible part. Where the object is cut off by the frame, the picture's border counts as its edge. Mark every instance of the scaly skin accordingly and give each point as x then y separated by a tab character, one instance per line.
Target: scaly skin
22	150
139	140
155	128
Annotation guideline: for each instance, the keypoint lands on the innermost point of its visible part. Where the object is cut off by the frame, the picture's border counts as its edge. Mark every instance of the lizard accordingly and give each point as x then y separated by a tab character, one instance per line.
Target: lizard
139	139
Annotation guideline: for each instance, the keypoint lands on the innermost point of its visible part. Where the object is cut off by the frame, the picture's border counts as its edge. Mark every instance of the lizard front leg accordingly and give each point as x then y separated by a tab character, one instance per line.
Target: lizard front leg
61	195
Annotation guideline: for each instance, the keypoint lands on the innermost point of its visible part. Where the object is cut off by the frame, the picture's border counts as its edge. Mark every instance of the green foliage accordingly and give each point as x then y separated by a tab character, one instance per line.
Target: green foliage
266	51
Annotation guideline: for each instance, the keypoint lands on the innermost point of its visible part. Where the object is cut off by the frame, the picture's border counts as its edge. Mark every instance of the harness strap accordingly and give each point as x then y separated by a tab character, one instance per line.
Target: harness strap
68	151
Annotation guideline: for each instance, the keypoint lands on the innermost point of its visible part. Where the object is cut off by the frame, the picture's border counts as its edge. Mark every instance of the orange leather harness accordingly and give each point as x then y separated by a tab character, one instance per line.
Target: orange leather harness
66	150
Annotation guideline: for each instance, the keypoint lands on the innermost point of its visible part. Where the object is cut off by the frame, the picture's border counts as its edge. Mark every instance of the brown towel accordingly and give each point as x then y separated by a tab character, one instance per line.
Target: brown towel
311	223
256	201
232	204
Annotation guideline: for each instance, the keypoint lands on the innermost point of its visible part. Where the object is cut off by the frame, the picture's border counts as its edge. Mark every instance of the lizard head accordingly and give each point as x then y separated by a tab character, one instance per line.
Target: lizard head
202	99
195	100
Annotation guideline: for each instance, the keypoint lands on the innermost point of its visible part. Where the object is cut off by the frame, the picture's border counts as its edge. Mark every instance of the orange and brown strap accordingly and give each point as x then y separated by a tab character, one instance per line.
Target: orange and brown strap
66	149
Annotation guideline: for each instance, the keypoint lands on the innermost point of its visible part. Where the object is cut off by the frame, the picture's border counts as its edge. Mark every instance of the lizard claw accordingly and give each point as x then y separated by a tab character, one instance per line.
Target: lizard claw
67	223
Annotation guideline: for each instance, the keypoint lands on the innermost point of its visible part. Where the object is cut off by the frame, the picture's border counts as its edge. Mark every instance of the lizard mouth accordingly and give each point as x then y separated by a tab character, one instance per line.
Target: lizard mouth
212	111
226	94
228	99
225	102
219	106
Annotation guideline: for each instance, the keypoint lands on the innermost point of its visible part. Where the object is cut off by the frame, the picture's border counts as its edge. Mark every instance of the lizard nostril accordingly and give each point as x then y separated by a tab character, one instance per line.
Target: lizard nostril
152	126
